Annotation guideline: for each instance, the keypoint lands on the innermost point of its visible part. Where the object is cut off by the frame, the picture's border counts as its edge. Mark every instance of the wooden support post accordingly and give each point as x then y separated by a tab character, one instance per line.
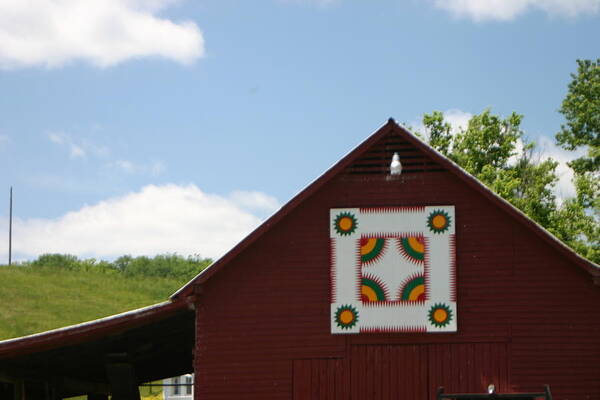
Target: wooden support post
51	391
34	391
123	383
19	390
7	390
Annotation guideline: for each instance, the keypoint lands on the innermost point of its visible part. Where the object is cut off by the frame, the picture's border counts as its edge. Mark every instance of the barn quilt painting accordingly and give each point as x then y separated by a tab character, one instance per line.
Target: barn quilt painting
393	269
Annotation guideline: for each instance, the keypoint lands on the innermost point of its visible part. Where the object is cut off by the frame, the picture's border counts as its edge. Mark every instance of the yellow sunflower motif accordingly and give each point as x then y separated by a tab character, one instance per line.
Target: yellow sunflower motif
439	221
440	315
346	316
345	223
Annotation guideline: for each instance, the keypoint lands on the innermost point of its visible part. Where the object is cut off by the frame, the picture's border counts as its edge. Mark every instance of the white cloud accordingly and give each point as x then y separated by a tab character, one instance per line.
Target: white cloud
104	33
519	147
77	151
125	165
565	187
78	148
58	138
504	10
157	219
155	168
255	202
458	120
4	139
82	147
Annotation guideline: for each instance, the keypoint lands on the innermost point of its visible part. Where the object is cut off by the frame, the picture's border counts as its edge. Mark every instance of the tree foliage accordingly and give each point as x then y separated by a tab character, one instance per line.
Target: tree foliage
162	265
495	151
581	109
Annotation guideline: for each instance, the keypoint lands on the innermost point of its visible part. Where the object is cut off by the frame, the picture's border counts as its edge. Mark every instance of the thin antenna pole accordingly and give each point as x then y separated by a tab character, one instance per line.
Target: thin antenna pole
10	230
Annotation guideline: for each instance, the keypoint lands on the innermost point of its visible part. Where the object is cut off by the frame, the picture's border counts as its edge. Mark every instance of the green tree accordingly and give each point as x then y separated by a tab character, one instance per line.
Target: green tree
580	226
161	265
494	150
65	261
440	132
581	109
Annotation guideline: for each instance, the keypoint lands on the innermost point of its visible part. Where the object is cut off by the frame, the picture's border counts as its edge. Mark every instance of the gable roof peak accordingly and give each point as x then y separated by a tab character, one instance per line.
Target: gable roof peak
391	127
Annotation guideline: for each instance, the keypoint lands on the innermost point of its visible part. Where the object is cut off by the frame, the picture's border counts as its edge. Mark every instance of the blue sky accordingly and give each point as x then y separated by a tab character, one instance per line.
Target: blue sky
142	127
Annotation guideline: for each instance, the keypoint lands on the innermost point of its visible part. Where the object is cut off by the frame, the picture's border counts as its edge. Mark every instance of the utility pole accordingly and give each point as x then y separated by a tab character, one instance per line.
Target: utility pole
10	230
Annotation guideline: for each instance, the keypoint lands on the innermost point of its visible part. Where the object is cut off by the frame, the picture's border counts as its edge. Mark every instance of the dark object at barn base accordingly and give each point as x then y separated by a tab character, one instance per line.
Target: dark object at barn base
546	395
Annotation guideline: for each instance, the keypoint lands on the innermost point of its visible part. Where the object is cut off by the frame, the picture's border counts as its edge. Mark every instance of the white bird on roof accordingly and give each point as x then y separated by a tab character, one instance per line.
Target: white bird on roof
395	166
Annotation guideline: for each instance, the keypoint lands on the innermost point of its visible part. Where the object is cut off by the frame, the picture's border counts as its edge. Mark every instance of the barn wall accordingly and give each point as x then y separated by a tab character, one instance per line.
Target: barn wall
525	315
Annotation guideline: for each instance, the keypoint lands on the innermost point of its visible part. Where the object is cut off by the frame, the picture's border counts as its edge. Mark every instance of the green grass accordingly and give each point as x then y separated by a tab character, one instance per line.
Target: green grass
146	393
37	299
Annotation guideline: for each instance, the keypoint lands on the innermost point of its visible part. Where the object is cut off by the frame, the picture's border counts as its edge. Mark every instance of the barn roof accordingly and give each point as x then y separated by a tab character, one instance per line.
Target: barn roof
391	127
158	340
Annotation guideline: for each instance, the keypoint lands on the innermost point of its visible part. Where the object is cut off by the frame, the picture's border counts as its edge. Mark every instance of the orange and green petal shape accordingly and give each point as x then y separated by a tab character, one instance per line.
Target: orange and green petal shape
439	221
440	315
346	316
371	249
413	247
414	289
372	291
345	223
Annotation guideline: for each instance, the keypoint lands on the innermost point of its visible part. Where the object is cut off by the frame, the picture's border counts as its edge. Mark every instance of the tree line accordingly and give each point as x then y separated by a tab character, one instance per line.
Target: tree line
162	265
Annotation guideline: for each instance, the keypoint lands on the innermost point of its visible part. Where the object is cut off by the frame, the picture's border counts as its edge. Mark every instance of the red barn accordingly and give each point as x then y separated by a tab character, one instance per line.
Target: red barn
368	285
527	307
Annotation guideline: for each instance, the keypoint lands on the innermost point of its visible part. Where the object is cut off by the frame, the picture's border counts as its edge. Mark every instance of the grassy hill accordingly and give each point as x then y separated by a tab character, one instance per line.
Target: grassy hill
36	299
59	290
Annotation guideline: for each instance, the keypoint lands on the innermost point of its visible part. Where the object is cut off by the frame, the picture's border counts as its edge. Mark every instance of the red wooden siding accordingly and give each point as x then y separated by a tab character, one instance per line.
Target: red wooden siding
389	372
468	367
324	379
526	315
